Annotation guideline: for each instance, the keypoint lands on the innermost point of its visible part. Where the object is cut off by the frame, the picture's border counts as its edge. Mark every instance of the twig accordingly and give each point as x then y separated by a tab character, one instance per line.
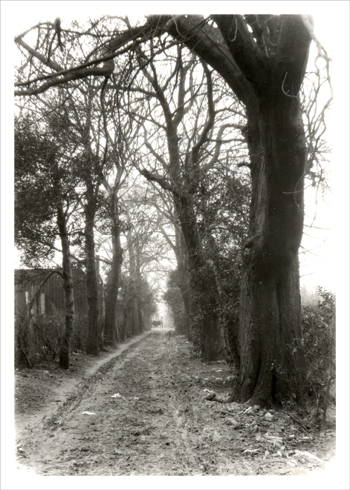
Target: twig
297	421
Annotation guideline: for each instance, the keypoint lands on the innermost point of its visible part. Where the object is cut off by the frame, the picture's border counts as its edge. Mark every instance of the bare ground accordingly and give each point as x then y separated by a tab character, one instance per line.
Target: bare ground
142	410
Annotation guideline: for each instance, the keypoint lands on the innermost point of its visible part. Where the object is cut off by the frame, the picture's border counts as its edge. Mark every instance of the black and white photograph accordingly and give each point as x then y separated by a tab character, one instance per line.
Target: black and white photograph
174	245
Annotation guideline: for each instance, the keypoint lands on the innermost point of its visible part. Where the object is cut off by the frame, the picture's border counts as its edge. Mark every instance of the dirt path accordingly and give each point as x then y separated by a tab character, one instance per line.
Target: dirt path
146	414
38	396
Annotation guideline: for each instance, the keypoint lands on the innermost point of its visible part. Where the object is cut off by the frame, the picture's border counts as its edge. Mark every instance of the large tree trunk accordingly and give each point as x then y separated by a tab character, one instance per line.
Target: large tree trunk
92	346
270	337
184	285
112	286
68	289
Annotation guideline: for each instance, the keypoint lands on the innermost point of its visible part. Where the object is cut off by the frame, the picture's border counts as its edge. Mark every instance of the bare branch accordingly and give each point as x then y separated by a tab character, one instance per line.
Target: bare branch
173	188
211	116
40	57
250	58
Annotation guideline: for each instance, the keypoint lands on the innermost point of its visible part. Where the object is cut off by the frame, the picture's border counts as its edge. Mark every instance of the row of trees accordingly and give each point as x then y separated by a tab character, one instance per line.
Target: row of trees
59	197
59	210
207	113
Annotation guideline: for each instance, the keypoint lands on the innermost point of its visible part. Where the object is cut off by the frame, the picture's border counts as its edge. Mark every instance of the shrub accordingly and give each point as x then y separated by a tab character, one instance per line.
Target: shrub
48	330
319	342
80	333
38	337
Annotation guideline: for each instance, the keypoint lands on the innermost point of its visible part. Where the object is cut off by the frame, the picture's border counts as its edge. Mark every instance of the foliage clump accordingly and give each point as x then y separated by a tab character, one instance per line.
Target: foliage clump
318	323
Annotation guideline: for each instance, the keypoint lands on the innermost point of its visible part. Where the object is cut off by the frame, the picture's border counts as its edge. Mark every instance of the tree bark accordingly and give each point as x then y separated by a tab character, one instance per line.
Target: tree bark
68	289
270	337
92	346
112	287
134	285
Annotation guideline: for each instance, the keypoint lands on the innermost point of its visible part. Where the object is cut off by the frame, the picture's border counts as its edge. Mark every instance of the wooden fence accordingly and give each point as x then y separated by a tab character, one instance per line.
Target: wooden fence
42	291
